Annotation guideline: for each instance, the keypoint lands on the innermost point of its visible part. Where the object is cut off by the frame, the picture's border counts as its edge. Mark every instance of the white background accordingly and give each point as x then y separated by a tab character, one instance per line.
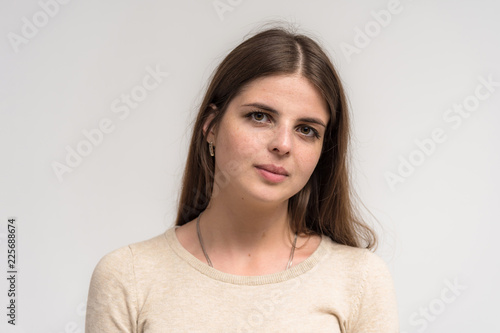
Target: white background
439	226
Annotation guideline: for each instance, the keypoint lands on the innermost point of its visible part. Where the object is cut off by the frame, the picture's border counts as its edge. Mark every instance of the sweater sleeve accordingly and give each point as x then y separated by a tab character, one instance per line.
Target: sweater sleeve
376	310
112	298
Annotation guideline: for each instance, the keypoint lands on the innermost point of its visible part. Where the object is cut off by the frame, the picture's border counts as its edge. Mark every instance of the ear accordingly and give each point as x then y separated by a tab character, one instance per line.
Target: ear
210	136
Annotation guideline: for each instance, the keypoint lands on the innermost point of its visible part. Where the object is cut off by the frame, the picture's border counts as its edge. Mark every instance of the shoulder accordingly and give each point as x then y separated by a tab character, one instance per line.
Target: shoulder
121	261
353	260
354	257
366	277
150	247
363	273
114	295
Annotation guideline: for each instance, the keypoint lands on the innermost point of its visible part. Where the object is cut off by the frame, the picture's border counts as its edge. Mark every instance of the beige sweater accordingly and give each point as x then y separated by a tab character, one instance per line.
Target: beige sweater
158	286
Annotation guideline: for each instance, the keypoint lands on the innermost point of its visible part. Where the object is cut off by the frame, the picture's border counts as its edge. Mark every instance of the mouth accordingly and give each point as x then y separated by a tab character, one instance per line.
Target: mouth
272	173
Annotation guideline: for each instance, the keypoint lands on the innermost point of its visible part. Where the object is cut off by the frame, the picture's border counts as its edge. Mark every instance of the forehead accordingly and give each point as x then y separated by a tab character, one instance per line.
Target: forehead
286	93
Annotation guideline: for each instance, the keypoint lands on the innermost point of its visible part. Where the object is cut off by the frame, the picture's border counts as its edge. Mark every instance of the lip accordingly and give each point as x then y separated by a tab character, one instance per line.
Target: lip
272	173
273	168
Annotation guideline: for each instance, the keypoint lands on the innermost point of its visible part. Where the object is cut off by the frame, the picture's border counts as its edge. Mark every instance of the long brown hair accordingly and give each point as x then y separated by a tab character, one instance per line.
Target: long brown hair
326	204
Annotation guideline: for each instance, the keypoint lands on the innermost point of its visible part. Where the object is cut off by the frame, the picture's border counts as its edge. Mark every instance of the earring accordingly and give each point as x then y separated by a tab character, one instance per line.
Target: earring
211	148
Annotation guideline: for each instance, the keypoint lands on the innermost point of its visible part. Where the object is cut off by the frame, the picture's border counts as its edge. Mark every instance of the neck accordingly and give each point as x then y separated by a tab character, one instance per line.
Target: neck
235	227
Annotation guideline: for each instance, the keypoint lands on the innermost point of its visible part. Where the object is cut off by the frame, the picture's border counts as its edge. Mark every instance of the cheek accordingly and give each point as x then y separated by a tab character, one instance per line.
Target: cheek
308	160
242	140
237	144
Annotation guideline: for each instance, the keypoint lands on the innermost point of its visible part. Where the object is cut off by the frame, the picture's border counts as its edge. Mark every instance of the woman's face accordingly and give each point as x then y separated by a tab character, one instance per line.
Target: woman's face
269	141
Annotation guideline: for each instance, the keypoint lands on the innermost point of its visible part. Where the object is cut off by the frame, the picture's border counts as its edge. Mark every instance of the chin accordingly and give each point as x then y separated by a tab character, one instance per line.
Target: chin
269	196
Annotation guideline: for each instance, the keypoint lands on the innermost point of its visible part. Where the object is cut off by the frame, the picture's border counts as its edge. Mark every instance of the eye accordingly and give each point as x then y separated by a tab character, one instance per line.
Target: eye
258	116
309	131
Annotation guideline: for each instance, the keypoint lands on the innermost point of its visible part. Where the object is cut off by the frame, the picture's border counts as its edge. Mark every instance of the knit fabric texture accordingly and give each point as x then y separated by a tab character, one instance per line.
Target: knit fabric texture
158	286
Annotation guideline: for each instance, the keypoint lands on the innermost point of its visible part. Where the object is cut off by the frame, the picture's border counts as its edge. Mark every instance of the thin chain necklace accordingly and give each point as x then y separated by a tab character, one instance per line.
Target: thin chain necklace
290	259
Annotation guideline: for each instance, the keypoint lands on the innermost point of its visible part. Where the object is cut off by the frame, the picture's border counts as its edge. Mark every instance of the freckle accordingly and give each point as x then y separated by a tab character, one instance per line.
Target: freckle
249	254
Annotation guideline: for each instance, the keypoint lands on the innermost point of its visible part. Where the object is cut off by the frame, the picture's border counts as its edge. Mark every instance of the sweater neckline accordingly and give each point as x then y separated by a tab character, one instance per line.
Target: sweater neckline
215	274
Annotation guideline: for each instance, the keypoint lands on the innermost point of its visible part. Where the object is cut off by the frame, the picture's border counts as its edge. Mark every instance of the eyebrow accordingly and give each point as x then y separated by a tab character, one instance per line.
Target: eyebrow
271	110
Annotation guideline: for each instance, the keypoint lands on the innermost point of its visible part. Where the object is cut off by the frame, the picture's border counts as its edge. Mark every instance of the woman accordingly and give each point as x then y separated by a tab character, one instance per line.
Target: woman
267	238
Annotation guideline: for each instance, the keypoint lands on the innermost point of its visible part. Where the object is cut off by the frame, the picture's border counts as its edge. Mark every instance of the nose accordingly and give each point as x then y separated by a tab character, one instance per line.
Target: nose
281	141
